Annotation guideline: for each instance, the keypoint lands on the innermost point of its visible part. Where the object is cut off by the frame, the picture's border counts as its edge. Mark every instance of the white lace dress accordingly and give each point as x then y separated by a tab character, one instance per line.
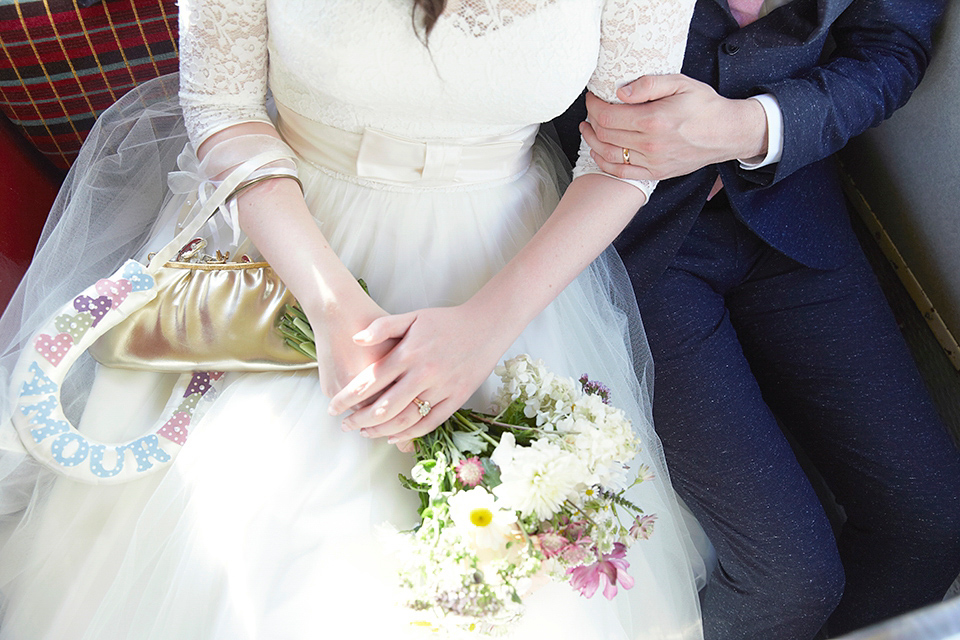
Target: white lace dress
264	526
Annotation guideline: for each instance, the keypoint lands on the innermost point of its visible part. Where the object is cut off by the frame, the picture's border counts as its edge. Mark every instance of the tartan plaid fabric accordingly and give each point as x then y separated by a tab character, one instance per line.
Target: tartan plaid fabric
62	64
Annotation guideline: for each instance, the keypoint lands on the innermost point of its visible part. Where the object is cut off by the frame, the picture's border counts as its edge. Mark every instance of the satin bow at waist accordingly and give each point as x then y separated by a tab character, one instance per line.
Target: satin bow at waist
391	159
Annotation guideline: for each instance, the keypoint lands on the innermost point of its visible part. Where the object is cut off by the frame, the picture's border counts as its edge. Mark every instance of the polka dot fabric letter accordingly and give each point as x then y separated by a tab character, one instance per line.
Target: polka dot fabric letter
43	428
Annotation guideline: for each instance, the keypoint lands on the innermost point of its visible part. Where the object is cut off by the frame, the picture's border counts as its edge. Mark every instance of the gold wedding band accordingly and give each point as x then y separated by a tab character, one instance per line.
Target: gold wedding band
626	156
422	406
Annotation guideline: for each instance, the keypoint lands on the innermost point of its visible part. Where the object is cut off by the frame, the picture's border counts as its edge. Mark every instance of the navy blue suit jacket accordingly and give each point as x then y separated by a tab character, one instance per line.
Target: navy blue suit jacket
837	67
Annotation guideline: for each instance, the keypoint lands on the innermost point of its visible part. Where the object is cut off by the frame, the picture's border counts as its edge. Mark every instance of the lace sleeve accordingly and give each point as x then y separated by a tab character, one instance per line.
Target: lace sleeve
638	38
223	64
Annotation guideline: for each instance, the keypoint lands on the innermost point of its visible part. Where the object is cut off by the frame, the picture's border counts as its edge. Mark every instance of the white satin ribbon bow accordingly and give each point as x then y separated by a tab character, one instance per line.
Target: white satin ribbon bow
392	159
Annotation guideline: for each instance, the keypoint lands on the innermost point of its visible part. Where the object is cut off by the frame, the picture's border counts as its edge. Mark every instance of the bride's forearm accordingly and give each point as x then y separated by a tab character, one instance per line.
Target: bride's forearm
275	217
593	211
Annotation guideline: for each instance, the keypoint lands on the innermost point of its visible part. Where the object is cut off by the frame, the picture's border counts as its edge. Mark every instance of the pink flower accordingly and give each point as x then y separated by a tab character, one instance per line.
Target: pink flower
608	571
578	551
470	471
642	527
551	543
572	554
644	474
576	529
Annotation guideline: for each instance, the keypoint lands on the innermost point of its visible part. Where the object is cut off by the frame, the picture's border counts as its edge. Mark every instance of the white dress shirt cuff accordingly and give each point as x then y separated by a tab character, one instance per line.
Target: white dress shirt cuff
771	108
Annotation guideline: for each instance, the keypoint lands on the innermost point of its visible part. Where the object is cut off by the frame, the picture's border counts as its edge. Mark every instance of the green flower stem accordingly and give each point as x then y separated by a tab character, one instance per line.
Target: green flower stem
295	311
306	349
464	420
453	452
463	416
507	426
304	327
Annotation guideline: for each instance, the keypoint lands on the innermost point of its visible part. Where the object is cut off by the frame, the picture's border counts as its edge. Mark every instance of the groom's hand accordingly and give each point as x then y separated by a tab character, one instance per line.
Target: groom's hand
672	125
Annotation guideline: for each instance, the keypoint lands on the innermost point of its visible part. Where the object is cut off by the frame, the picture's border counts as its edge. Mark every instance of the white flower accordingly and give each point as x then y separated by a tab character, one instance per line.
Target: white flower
478	516
431	473
544	394
539	478
503	454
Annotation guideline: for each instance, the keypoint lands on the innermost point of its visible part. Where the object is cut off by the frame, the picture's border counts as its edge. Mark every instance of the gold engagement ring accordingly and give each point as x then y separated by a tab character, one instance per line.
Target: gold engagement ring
422	406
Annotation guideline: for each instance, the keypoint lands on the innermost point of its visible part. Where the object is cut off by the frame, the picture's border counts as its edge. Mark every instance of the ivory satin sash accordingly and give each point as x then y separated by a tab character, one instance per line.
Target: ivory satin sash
391	159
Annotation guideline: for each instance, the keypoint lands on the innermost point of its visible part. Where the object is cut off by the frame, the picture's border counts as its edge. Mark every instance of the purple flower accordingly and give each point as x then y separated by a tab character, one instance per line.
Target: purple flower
592	387
642	527
470	471
612	568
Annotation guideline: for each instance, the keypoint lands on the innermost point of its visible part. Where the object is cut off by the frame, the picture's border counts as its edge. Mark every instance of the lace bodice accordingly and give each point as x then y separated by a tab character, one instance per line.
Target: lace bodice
490	67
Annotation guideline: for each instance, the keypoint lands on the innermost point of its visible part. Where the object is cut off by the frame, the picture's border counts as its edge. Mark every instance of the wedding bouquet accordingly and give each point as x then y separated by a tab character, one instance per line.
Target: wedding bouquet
512	499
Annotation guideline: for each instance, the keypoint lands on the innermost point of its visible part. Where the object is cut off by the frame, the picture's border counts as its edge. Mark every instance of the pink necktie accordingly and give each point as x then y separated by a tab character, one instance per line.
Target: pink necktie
744	12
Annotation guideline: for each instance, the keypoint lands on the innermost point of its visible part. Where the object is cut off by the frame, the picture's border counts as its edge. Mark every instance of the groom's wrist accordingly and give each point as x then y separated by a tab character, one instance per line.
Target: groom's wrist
772	146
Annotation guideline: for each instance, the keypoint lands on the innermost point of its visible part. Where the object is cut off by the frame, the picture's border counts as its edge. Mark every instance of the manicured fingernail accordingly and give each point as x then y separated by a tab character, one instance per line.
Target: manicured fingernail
362	336
393	440
626	90
365	433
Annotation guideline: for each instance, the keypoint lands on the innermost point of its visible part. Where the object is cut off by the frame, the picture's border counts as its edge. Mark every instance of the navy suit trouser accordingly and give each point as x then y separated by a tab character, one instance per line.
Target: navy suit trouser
746	341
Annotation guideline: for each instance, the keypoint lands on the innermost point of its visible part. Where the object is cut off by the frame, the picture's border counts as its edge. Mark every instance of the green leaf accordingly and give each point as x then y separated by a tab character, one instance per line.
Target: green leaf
619	499
409	483
468	442
491	473
513	414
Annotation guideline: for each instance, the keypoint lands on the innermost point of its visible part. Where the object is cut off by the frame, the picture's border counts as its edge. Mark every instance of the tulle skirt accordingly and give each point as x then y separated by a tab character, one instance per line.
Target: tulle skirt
266	525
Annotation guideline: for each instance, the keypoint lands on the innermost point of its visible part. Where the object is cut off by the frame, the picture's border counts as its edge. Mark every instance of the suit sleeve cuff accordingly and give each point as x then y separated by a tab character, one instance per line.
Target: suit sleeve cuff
771	108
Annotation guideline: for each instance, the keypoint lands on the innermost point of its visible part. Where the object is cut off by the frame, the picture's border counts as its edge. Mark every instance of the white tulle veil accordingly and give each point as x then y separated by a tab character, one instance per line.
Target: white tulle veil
122	168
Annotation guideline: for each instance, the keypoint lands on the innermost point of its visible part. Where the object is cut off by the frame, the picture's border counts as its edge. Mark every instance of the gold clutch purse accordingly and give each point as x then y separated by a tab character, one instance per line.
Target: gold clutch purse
206	317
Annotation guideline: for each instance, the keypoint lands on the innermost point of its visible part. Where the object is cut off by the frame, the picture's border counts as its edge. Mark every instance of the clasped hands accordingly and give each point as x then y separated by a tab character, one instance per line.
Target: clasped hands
433	358
670	126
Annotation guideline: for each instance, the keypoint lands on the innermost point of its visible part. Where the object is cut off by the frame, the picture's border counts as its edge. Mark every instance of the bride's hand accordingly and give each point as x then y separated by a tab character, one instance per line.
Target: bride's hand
339	357
442	357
